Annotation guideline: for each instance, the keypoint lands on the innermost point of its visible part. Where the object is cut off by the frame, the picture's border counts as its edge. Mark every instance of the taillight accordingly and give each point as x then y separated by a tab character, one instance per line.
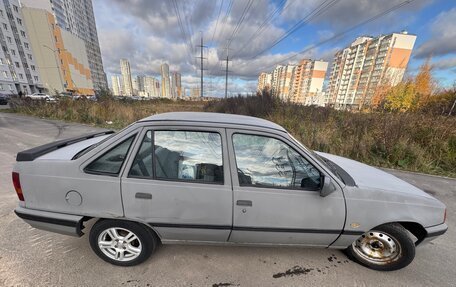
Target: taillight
17	186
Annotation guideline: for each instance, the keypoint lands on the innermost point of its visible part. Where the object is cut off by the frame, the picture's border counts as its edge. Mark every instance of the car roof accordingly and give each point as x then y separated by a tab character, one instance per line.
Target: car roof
204	117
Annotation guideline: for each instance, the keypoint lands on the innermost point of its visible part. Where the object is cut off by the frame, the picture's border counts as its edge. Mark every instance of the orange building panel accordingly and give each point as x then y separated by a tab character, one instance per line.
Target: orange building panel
399	57
318	74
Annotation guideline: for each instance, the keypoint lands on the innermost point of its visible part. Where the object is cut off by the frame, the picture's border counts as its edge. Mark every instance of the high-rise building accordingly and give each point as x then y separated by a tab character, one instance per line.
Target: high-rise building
176	85
295	83
116	85
18	71
135	85
195	93
165	86
285	82
60	56
127	87
275	77
151	87
77	17
140	79
264	81
308	79
368	63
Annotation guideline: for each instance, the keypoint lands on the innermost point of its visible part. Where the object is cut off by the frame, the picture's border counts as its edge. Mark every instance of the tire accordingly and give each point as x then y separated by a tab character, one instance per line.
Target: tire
125	243
387	247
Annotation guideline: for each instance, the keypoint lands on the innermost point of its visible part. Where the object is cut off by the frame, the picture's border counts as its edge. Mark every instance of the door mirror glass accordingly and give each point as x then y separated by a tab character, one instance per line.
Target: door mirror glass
328	186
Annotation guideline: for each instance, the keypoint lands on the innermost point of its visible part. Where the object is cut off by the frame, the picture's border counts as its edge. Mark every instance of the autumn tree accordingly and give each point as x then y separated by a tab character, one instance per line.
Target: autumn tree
401	97
424	85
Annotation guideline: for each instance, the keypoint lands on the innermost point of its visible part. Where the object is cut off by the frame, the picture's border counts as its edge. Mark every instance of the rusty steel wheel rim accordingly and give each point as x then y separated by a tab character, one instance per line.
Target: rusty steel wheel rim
377	247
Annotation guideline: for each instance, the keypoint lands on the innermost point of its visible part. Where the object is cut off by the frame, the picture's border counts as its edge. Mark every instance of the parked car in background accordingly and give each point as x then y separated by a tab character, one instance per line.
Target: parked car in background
51	99
219	179
37	96
4	99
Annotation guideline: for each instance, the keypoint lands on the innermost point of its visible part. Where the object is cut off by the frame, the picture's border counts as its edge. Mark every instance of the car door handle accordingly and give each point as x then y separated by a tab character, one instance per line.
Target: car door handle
244	202
143	195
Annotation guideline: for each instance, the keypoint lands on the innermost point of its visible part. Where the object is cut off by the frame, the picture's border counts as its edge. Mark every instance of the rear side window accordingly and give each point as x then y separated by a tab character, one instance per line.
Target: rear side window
180	156
111	162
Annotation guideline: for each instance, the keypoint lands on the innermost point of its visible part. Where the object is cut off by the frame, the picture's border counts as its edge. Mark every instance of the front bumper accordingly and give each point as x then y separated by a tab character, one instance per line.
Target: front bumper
67	224
432	232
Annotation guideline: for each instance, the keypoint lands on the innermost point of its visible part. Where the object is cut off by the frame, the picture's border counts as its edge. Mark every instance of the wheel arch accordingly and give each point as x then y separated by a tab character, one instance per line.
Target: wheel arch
98	219
416	229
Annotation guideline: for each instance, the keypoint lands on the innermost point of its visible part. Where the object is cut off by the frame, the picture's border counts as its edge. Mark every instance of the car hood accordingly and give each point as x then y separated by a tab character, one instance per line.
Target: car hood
368	177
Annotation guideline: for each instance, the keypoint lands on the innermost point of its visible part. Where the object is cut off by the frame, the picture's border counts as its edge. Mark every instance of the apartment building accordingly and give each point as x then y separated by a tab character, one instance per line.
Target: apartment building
165	84
127	86
151	87
295	83
77	18
18	71
176	85
116	85
264	81
368	63
60	56
308	79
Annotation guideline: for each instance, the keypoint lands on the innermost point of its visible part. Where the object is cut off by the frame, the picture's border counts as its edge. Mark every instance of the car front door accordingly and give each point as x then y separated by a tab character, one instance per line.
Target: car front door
276	193
179	183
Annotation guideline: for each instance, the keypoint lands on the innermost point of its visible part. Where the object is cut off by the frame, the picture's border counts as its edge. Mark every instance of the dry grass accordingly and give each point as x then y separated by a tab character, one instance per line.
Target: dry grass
110	113
409	141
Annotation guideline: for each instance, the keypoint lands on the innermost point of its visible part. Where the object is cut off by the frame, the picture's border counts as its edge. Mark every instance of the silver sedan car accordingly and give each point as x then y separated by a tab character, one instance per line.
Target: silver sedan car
219	179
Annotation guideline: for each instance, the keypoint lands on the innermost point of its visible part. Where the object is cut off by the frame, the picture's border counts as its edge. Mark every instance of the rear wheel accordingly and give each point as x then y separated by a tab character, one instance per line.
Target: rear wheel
122	243
387	247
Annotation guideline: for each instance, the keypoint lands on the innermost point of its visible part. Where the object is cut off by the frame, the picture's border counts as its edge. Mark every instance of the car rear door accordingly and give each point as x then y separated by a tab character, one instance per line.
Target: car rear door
276	196
178	181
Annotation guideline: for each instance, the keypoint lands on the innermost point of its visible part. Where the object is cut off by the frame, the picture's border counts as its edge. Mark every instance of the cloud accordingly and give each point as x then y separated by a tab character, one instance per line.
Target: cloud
444	64
148	33
345	13
443	36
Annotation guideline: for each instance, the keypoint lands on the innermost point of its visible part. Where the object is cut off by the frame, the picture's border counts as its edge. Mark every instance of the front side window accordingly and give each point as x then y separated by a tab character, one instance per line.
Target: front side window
268	162
188	155
111	162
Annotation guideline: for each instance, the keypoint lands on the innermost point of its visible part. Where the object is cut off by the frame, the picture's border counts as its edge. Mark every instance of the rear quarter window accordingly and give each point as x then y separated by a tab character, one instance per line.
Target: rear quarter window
111	162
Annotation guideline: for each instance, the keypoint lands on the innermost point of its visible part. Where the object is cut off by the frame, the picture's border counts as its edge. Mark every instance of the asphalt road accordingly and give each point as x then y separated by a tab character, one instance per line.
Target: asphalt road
30	257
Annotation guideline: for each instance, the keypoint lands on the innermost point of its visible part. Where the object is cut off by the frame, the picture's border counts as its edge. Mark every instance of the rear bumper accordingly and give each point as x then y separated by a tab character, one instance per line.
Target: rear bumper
66	224
432	232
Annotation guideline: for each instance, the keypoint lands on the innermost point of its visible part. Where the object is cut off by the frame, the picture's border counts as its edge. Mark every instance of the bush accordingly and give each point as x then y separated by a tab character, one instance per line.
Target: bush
409	141
412	141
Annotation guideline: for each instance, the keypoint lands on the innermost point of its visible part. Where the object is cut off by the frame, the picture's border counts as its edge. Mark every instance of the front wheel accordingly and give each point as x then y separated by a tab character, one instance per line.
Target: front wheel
387	247
122	243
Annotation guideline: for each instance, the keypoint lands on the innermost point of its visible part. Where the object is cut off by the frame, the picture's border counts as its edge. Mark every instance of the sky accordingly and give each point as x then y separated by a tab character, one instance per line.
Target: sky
257	34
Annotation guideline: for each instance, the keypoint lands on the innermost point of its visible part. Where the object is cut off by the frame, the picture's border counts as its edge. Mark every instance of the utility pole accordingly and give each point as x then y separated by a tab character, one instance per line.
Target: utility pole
202	63
226	73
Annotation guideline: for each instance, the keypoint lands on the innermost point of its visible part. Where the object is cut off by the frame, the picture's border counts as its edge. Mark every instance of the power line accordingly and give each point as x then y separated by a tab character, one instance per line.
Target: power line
263	26
216	23
241	20
320	9
228	11
381	14
181	26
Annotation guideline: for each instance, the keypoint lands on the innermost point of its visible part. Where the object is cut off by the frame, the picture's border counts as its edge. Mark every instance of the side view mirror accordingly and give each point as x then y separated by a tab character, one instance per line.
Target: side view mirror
328	186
